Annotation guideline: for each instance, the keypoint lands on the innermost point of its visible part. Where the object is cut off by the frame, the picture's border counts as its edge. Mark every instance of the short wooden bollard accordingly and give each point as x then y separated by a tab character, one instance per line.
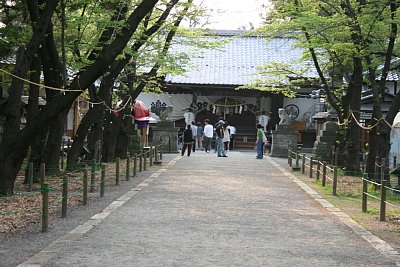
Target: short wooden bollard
128	167
311	167
303	163
45	208
140	162
30	176
93	176
161	151
85	185
334	182
64	202
103	179
151	152
134	165
382	212
318	169
323	173
145	162
117	165
364	195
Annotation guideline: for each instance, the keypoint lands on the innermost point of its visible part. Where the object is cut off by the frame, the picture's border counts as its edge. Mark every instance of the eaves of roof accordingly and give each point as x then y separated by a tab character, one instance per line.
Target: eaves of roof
236	62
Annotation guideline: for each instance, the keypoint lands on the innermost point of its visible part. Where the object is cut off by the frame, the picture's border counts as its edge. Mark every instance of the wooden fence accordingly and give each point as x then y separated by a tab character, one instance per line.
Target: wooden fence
326	173
88	178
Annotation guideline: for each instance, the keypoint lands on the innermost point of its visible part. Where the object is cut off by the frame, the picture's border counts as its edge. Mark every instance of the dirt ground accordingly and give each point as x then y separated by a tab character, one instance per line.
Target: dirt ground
21	230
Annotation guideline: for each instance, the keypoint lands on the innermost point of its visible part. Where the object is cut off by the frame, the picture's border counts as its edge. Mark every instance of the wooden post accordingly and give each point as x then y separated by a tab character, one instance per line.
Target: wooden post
151	151
93	176
290	158
318	169
303	163
145	161
135	165
323	173
85	185
382	212
117	164
45	208
128	167
334	183
311	167
42	173
141	162
64	202
161	151
364	195
30	176
103	179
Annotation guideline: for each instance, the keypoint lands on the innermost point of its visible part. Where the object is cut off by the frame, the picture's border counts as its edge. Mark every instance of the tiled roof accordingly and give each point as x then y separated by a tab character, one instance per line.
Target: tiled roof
235	62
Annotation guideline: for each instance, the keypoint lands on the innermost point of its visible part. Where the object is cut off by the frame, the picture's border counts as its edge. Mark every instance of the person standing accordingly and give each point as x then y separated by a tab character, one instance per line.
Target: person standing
226	138
232	131
208	135
259	141
199	137
141	114
187	140
219	131
194	132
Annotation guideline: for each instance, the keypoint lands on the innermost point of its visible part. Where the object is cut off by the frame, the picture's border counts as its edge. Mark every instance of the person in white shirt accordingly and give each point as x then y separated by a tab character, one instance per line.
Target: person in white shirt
208	135
232	132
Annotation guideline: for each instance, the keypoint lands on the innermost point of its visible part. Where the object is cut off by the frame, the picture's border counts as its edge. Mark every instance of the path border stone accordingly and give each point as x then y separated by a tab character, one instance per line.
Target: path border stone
51	250
380	245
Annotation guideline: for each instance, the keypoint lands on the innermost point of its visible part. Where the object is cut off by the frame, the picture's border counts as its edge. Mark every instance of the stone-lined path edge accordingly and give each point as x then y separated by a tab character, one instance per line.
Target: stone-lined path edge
380	245
78	232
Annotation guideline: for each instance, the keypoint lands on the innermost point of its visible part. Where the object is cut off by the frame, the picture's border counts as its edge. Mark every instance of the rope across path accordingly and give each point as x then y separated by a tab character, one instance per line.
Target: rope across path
204	210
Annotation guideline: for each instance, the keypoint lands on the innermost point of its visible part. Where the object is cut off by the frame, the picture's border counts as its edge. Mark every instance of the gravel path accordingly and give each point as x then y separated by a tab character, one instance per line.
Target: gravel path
207	211
30	241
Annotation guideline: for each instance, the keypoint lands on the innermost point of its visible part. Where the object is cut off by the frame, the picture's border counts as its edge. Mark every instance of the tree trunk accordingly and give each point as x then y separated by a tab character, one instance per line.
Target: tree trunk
31	111
79	140
15	142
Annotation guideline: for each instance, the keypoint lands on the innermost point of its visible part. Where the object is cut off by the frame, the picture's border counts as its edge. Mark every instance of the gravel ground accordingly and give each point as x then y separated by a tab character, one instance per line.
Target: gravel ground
30	240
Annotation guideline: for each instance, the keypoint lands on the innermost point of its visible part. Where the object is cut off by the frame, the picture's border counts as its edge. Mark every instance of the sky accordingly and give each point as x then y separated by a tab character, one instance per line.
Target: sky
233	14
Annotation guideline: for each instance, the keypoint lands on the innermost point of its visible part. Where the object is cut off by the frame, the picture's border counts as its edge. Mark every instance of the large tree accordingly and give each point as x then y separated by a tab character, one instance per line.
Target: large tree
126	67
15	140
343	39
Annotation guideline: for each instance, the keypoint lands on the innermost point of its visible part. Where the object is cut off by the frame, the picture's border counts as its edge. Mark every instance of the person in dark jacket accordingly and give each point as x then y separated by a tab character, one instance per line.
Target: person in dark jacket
187	140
